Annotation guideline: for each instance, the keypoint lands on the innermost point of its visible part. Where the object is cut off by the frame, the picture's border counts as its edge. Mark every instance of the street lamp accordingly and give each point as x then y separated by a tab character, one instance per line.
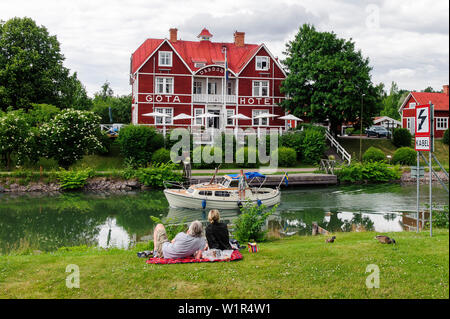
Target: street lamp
361	129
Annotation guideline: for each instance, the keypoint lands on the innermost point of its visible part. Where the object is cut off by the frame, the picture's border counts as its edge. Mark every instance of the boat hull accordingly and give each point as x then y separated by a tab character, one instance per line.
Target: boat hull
185	201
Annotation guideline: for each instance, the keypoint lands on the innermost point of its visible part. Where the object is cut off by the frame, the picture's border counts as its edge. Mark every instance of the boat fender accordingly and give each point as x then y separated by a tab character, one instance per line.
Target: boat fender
259	202
239	204
204	203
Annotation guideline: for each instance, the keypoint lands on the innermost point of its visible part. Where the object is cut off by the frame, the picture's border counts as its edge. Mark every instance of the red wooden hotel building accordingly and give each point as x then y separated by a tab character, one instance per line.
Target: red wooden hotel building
174	76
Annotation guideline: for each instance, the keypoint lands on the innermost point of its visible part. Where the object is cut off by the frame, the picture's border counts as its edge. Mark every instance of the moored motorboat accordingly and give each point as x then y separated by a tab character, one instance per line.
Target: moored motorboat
232	192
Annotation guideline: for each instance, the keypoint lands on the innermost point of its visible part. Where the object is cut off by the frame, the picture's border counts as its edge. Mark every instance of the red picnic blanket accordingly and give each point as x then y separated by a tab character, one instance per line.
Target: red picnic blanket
236	255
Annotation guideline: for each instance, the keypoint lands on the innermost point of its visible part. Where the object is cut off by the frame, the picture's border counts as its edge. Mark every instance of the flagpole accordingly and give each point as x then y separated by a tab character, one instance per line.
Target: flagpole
224	87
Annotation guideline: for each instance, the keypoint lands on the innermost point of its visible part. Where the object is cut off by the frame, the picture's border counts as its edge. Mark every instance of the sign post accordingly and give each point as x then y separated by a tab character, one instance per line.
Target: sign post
424	143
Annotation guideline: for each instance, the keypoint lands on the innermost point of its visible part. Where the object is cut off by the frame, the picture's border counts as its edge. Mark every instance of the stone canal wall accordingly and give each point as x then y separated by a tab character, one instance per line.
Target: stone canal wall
15	185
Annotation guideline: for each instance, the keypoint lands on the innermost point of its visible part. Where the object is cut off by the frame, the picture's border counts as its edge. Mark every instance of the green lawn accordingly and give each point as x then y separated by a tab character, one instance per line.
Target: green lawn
297	267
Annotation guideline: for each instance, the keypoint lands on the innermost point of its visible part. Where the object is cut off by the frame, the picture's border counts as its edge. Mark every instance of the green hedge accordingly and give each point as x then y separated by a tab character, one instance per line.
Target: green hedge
401	137
373	154
405	156
445	138
138	142
201	151
247	153
287	157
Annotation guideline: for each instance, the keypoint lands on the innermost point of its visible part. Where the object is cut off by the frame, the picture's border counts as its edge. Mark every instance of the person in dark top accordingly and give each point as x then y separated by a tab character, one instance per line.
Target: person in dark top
217	232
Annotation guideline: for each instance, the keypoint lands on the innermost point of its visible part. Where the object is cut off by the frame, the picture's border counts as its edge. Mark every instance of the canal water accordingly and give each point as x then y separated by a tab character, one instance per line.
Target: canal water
46	222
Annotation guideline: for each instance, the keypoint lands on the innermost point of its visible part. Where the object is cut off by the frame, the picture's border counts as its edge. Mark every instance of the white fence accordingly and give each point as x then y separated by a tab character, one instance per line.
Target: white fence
339	149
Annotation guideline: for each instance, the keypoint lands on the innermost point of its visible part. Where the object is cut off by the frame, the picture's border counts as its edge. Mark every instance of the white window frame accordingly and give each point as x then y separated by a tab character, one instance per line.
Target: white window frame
164	83
198	87
165	110
162	59
229	88
230	112
210	86
412	105
259	88
259	63
441	123
260	121
197	119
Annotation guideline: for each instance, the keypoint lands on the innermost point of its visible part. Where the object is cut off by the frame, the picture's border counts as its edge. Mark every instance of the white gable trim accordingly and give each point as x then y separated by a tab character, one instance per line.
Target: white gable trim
406	100
156	50
271	56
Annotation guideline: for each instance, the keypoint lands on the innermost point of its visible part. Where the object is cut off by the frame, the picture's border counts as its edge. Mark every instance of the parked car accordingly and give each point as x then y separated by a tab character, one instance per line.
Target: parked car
378	131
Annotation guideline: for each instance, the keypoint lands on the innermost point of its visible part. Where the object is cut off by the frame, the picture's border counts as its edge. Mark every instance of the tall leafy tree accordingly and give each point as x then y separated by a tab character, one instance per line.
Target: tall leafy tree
120	105
327	78
391	102
31	68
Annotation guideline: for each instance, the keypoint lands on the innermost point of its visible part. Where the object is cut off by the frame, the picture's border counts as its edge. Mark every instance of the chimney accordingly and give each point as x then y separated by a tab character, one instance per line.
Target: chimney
173	34
239	39
445	89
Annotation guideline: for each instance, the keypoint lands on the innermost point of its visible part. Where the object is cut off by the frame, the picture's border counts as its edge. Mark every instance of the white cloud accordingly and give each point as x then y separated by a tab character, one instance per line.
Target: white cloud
409	44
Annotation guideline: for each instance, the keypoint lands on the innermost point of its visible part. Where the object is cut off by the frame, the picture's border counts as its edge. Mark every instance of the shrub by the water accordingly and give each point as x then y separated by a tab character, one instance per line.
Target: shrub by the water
445	137
161	156
248	226
405	156
401	137
73	179
313	145
370	172
138	142
286	157
155	175
373	154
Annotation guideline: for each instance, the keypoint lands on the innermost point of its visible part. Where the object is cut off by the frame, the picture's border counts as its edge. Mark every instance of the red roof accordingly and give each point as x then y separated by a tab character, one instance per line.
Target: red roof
143	52
199	51
439	100
205	33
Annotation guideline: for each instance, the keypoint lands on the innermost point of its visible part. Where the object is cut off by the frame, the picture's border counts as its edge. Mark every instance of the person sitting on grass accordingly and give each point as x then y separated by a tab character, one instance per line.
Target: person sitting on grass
183	245
217	232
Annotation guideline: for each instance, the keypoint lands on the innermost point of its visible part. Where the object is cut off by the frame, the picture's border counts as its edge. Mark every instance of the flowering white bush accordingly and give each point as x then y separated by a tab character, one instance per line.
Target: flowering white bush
16	137
71	135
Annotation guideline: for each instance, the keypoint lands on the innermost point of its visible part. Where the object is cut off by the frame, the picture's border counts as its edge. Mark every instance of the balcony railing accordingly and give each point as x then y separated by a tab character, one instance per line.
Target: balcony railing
214	98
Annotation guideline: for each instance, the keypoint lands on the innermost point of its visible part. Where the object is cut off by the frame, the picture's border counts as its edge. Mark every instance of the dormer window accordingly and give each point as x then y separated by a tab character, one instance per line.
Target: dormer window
199	64
165	58
262	63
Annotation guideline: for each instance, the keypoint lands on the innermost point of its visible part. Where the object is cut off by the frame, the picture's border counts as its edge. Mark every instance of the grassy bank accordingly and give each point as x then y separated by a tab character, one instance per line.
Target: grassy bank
297	267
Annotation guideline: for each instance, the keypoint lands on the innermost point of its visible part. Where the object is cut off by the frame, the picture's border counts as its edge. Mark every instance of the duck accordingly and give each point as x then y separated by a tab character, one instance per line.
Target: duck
385	239
330	240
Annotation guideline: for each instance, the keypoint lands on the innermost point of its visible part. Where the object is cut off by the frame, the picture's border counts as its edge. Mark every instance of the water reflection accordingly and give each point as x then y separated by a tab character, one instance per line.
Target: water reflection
49	221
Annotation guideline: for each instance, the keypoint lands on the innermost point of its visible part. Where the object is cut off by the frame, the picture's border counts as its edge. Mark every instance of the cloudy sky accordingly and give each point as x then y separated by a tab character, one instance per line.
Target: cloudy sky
406	41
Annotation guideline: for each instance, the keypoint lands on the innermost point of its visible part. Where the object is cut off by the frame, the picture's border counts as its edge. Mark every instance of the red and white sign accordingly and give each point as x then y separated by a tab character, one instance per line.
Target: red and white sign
423	128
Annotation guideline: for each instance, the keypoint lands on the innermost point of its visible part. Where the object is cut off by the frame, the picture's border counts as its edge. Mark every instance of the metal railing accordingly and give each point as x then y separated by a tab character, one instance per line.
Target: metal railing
339	149
214	98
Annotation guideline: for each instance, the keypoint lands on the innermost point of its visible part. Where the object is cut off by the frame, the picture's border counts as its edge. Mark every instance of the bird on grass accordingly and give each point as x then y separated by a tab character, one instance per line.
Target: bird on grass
330	240
385	239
